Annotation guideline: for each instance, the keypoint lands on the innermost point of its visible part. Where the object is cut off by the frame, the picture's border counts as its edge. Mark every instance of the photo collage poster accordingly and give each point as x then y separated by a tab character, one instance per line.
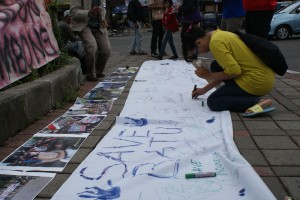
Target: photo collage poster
51	148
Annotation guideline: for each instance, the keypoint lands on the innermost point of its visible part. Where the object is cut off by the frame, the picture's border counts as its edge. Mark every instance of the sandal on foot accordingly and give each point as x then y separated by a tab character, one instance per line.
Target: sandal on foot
256	110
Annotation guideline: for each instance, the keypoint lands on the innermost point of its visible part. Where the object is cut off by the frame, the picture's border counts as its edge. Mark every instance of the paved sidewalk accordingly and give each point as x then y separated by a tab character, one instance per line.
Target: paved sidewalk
270	143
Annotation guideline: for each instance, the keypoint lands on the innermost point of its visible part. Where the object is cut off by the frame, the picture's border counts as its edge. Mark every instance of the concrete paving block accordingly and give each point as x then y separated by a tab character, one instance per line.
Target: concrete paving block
267	132
80	155
286	90
274	142
244	142
296	101
120	101
240	133
285	116
293	186
254	157
286	171
291	106
116	109
124	95
264	171
293	133
280	84
110	117
282	157
70	168
276	187
235	116
98	132
261	125
262	117
91	142
296	139
238	126
289	125
53	186
104	125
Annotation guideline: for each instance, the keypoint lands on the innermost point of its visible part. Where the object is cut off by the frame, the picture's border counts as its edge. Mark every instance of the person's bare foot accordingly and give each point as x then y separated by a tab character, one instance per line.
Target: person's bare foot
264	103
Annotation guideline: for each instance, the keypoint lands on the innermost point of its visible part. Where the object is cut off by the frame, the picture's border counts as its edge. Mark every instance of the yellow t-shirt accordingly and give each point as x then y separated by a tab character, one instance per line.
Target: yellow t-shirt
236	58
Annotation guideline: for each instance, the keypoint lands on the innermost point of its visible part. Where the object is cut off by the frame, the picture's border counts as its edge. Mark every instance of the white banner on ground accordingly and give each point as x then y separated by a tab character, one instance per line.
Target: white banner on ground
161	135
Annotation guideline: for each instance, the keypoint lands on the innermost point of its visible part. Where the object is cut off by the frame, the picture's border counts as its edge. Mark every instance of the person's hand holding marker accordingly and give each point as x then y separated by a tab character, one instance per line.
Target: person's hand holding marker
198	91
202	72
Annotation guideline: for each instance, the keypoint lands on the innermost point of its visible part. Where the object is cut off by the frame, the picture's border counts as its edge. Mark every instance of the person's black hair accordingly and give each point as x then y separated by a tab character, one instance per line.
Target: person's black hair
189	35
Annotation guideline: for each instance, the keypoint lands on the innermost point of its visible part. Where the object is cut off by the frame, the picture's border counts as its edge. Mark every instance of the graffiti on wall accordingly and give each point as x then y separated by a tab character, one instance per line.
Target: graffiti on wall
26	39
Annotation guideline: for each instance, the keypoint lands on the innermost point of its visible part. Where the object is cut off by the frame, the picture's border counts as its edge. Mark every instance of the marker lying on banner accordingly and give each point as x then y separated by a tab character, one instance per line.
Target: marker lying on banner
140	80
164	64
200	175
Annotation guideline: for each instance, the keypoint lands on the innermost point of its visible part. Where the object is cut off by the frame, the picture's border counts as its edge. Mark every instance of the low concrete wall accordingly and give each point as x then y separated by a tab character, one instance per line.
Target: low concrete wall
22	105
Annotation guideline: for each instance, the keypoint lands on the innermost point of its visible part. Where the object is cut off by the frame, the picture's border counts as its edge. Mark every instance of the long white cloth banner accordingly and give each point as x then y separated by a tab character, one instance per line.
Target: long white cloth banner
161	135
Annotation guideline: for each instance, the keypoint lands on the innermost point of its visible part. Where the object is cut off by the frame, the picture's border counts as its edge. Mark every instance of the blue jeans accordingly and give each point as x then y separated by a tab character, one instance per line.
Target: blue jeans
168	37
230	96
136	44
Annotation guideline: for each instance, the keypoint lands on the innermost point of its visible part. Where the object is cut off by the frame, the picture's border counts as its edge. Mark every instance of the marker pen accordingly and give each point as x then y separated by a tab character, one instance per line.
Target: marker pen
200	175
195	88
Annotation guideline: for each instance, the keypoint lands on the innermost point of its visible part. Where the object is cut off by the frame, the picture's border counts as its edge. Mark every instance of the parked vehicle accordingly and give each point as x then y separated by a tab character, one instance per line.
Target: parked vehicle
286	22
118	29
211	20
282	4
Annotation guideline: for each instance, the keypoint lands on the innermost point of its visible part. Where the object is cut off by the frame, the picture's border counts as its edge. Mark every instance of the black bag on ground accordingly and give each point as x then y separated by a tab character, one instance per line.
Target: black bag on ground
268	52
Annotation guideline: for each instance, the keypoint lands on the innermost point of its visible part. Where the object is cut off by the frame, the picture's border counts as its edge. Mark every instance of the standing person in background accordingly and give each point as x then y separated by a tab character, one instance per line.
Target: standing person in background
170	24
157	8
258	17
72	43
190	12
88	19
232	16
135	16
